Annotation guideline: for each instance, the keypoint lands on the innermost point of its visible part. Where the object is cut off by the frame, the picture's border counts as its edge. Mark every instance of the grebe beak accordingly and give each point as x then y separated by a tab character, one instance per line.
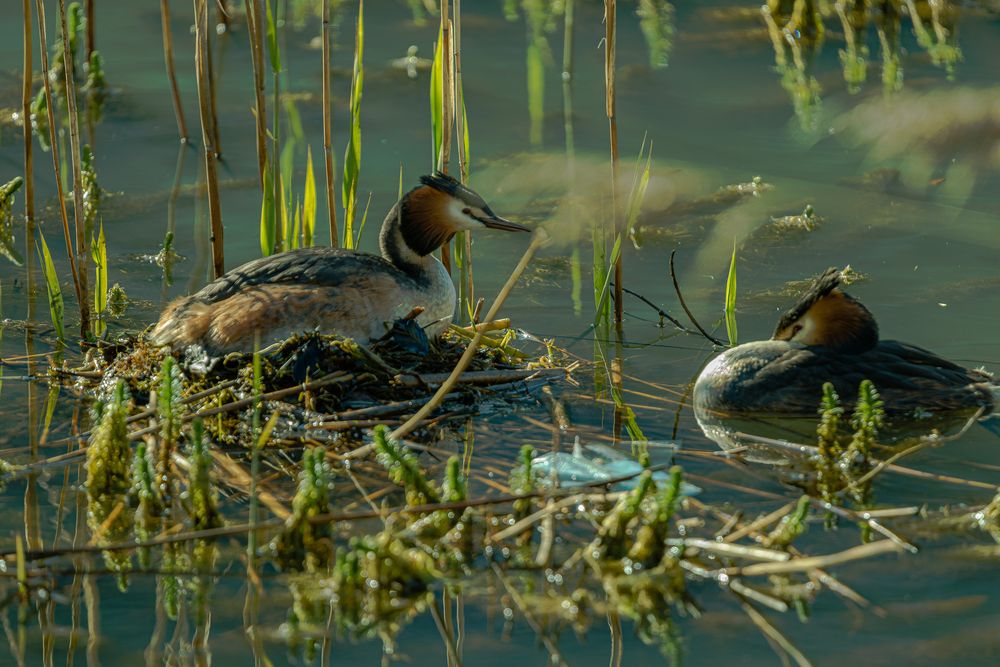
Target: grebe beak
494	221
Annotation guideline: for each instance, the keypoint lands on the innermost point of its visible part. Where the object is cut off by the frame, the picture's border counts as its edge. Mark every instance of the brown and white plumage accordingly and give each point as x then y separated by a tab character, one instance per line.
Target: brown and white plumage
828	336
332	290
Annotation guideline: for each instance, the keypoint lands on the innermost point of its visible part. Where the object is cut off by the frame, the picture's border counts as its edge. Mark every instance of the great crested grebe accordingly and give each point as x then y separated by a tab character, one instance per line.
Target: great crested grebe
828	336
332	290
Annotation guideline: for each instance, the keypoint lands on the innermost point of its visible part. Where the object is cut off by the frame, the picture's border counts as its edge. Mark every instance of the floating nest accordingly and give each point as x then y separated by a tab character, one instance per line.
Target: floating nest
326	385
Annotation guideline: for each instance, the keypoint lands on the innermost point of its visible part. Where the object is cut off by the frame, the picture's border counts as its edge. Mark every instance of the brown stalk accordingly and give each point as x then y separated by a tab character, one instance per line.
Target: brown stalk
204	108
90	29
216	141
463	159
537	240
610	33
82	242
168	59
447	107
257	61
29	171
331	202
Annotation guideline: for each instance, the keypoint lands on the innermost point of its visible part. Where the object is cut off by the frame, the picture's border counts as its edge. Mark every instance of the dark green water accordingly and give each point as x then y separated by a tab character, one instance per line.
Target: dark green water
716	115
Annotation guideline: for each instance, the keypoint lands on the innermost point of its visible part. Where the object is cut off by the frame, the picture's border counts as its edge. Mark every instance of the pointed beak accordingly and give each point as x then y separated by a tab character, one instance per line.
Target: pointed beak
496	222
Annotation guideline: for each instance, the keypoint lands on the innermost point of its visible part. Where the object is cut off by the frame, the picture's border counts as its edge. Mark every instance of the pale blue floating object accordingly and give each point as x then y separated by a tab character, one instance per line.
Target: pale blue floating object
593	464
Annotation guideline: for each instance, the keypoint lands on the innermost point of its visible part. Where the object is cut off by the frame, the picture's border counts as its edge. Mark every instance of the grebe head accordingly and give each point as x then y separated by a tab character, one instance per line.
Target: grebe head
827	316
434	211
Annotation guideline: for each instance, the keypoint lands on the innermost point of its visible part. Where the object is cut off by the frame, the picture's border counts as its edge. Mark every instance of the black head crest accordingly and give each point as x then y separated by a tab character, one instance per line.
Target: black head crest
828	281
450	186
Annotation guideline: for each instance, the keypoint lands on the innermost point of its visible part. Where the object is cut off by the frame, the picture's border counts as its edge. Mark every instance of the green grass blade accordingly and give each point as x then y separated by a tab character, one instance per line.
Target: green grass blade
731	300
99	251
638	193
267	217
437	97
352	156
309	203
56	308
603	307
273	50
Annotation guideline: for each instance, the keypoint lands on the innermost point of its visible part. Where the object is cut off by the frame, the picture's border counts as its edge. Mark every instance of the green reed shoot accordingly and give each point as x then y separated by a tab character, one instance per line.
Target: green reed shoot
730	307
352	155
437	98
99	253
56	308
268	220
637	194
309	203
7	246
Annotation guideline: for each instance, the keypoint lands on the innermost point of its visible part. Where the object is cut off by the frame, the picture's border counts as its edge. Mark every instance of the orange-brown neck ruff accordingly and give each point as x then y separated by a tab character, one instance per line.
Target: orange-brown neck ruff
423	221
827	316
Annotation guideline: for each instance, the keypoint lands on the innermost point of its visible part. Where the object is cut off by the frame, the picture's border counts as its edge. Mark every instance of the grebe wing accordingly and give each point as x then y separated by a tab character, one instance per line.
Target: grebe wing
327	267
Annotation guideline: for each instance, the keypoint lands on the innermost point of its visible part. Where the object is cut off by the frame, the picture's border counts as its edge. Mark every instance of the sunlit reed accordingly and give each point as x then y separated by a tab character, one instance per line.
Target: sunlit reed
207	133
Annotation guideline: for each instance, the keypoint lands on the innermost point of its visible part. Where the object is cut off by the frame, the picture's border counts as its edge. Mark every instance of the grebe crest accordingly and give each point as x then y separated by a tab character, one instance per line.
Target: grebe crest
828	316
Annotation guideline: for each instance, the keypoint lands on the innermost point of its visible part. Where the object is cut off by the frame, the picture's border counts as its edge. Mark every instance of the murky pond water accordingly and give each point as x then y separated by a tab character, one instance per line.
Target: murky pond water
908	195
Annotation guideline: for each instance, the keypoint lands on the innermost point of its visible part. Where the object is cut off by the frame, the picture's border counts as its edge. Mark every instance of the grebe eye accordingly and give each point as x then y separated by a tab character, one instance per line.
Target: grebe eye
797	328
467	211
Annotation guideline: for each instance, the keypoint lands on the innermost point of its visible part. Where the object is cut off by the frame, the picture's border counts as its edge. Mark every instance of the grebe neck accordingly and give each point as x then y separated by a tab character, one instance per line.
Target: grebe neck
400	254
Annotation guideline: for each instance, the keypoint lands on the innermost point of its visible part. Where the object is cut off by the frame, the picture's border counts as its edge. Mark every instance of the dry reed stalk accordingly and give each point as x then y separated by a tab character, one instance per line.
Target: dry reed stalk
331	202
257	61
207	133
82	242
539	238
610	33
168	59
460	130
91	23
210	60
29	170
447	108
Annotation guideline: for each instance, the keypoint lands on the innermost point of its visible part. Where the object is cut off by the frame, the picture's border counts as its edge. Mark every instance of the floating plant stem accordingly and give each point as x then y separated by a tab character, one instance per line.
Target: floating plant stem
207	133
168	59
331	202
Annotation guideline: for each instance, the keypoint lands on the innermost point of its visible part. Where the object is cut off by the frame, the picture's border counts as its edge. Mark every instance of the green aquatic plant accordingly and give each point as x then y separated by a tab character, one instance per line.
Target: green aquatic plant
522	482
828	442
169	407
202	497
117	301
867	420
303	545
99	253
91	191
730	308
791	526
656	19
7	245
40	119
109	480
404	470
149	507
96	87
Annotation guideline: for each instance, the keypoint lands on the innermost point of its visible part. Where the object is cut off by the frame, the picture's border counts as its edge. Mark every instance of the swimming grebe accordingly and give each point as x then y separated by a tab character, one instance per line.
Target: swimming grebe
332	290
828	336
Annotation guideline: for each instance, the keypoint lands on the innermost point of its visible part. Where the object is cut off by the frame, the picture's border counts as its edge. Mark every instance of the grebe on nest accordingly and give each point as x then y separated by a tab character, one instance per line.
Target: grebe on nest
828	336
332	290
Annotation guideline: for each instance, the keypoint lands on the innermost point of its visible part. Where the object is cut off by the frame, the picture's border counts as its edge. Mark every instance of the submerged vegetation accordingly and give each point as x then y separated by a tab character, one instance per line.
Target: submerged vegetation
356	487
